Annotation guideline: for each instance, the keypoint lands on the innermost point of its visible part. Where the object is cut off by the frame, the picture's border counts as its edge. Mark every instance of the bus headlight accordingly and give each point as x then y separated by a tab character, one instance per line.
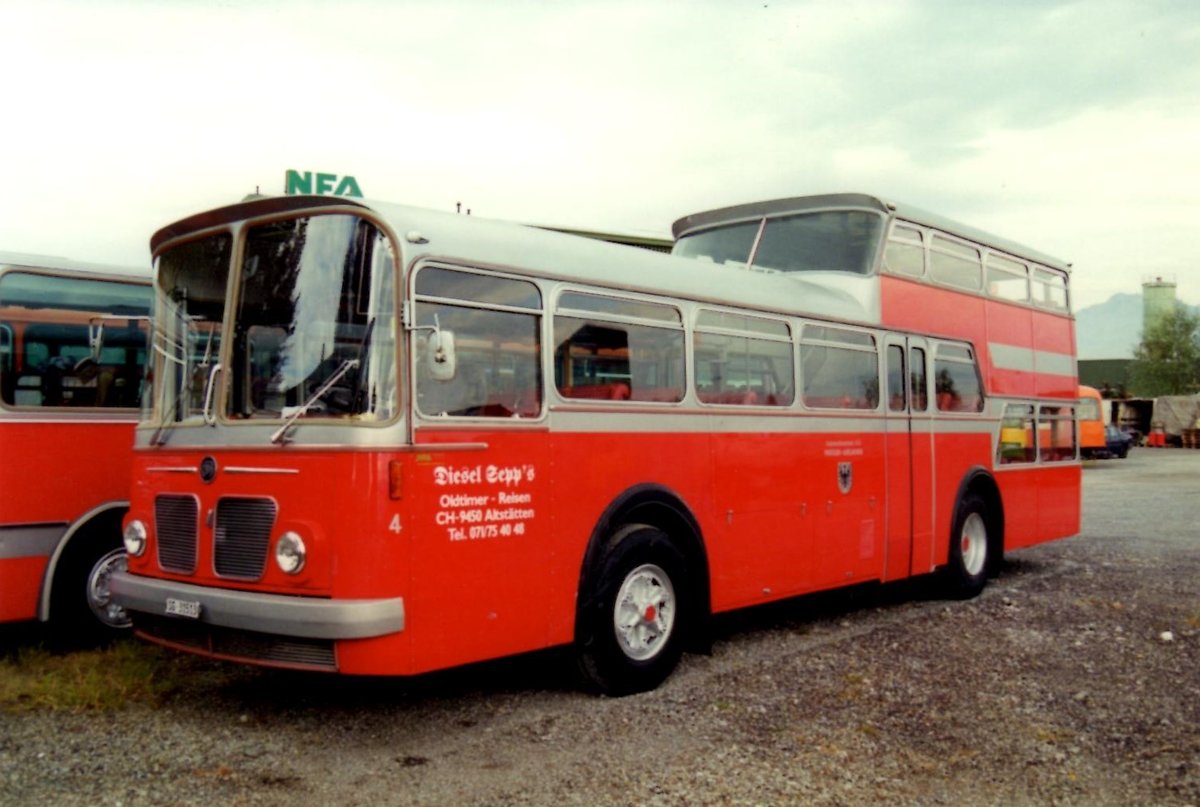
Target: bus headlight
290	552
135	538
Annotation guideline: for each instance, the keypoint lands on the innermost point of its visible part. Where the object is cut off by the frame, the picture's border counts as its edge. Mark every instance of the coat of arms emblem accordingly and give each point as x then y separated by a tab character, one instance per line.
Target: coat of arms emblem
845	476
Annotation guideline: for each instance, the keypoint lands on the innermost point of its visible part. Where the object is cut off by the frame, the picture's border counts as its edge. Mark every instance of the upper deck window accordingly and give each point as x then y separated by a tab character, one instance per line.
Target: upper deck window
1049	289
728	244
1007	279
954	263
905	253
832	240
840	241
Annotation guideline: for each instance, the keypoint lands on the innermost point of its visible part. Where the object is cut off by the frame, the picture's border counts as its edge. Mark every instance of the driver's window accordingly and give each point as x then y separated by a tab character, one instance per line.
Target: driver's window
496	327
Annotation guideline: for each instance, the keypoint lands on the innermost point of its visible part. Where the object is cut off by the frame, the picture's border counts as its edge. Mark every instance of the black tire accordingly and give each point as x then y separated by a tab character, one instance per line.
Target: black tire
971	549
81	613
630	630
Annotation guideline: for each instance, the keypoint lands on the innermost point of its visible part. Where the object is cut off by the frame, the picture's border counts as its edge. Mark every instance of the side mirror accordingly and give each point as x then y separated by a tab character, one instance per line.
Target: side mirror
441	360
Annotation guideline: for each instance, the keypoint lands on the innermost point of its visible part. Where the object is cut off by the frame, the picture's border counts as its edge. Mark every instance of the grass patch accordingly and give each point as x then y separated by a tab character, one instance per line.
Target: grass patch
35	679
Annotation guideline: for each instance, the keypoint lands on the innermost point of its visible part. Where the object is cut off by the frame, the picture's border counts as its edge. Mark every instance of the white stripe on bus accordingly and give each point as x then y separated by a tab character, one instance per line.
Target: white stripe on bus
1010	357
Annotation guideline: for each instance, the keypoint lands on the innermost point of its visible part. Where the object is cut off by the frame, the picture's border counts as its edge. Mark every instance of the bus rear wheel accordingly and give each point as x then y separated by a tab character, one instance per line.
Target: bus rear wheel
970	549
630	634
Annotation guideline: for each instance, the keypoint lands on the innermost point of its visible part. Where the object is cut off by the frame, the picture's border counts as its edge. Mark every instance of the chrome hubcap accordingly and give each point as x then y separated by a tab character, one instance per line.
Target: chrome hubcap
99	593
973	544
645	612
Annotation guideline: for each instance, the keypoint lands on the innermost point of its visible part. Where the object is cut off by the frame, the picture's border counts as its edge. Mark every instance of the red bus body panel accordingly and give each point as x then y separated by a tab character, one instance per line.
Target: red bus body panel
492	530
989	324
54	472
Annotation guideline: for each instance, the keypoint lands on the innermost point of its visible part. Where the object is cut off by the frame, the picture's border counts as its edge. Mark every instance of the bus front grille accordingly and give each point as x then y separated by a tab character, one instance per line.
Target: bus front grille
176	520
243	532
239	645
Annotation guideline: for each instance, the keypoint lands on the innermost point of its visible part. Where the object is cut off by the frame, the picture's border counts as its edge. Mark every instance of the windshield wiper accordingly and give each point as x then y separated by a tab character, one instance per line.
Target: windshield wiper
280	434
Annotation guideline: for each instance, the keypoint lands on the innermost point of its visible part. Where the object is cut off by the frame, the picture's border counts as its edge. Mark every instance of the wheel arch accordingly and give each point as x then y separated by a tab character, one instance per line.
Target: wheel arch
656	506
89	527
979	481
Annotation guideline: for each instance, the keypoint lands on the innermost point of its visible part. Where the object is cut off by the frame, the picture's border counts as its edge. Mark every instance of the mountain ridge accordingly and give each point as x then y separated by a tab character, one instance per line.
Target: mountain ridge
1111	329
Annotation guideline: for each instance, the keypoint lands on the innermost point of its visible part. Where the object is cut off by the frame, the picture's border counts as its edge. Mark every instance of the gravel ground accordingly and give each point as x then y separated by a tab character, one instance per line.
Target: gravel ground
1074	679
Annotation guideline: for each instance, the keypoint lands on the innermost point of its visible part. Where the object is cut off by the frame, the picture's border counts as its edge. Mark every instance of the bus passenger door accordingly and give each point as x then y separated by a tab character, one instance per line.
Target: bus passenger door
909	530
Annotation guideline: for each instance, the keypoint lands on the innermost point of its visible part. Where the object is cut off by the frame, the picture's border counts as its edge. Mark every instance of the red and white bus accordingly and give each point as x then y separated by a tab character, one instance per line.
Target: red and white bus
72	347
385	440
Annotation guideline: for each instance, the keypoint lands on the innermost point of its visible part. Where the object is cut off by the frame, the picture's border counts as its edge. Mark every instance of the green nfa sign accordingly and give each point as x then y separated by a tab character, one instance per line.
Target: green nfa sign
320	184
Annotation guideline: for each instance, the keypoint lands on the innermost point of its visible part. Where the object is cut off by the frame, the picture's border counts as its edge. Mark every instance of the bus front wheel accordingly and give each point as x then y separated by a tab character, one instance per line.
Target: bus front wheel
630	630
970	548
82	610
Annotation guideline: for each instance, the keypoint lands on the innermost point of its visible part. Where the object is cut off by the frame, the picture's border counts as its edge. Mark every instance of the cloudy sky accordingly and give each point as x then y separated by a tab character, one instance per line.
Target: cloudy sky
1073	127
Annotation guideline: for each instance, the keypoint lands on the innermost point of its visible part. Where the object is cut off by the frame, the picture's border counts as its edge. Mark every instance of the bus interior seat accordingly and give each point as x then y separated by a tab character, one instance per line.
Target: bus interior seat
618	391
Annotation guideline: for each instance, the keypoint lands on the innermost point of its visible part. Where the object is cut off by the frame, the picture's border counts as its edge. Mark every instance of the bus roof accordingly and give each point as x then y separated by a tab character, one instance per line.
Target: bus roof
507	246
653	242
20	260
859	201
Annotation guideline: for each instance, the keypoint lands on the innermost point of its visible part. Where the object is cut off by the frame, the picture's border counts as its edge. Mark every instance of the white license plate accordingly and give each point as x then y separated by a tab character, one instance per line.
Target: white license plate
185	608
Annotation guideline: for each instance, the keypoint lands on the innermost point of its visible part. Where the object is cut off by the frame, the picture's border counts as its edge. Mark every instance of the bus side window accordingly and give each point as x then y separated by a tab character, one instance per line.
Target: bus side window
736	370
956	379
1017	435
895	378
8	376
1056	433
919	380
497	345
742	360
497	373
839	368
599	358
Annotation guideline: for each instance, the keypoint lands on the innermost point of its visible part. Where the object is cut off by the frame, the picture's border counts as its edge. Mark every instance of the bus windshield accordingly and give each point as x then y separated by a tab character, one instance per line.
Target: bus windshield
831	240
311	327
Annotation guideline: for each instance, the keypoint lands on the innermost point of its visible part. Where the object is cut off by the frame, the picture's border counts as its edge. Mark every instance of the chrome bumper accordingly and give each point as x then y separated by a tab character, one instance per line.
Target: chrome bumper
307	617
